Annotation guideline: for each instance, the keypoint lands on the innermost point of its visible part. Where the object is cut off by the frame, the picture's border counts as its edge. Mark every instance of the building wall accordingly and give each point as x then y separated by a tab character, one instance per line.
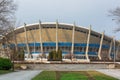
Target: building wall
49	35
65	36
94	39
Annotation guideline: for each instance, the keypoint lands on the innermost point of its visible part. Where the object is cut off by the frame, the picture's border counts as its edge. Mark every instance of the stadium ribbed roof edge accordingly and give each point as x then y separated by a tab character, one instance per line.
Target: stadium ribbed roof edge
28	25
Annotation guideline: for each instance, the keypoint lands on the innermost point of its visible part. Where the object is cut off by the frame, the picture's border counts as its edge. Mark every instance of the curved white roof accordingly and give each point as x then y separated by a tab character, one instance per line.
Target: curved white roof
65	24
49	23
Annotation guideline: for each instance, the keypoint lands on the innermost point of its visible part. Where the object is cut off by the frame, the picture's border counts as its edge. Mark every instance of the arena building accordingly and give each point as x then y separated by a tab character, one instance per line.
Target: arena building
79	42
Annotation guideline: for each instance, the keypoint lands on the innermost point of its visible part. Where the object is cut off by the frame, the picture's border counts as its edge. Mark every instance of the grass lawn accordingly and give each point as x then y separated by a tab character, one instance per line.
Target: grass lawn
72	75
5	71
46	75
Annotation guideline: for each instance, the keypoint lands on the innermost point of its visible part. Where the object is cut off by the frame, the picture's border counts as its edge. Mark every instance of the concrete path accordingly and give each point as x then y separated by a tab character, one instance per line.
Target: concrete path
111	72
20	75
118	62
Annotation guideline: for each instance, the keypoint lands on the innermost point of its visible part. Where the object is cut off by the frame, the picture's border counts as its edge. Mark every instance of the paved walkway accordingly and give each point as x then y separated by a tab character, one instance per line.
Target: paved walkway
118	62
20	75
111	72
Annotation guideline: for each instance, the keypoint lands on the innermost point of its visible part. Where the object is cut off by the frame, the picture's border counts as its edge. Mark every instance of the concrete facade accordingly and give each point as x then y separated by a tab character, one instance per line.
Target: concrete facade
81	42
69	67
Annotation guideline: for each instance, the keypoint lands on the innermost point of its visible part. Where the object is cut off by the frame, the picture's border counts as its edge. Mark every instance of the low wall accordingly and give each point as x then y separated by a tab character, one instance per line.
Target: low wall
69	67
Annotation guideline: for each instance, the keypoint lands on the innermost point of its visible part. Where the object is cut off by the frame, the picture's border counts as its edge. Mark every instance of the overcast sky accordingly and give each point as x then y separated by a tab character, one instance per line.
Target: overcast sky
83	12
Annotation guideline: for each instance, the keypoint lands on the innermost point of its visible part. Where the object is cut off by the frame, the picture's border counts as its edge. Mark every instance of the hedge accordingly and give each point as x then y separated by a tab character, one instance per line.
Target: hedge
55	56
5	64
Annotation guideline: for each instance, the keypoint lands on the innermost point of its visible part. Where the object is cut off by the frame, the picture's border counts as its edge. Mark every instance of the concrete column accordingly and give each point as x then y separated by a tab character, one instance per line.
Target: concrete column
88	41
56	36
34	41
26	41
73	37
40	33
114	51
117	51
110	49
100	48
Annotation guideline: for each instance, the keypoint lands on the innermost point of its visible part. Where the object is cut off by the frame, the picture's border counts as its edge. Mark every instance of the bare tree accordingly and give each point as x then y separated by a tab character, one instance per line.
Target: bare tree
7	22
7	18
116	17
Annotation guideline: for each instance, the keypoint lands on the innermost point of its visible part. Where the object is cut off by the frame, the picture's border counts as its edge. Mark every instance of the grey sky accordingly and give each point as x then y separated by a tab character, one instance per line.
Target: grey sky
83	12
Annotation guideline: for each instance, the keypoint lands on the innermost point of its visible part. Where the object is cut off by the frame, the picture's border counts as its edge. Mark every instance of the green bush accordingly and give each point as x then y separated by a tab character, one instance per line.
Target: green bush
5	64
59	54
55	56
